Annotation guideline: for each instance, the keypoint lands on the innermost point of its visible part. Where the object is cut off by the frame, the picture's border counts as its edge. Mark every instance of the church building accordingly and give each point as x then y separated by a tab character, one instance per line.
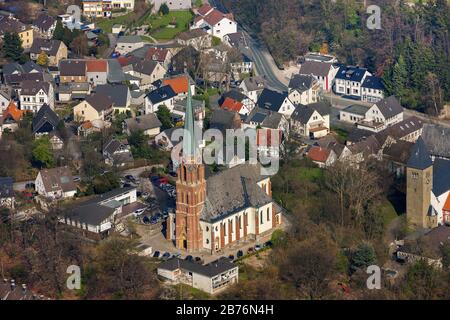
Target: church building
214	212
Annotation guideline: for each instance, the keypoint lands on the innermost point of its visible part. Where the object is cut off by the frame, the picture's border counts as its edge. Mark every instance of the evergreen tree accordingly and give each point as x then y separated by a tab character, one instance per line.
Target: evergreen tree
164	116
363	257
399	77
12	46
58	34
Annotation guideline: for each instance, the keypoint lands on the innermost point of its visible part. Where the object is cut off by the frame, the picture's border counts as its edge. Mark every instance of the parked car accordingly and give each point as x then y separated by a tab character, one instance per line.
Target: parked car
76	179
138	212
258	247
189	258
156	254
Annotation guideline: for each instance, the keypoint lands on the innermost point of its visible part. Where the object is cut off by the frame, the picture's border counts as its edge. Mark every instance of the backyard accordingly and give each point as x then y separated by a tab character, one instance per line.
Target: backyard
166	27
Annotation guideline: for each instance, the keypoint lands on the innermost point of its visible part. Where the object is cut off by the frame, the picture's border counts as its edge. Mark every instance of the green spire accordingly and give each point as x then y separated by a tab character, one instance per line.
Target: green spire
189	144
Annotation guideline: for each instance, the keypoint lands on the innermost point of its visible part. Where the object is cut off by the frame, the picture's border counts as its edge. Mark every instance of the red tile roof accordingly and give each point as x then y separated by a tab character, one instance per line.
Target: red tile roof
13	111
318	154
178	84
204	9
95	65
214	17
157	54
232	105
447	204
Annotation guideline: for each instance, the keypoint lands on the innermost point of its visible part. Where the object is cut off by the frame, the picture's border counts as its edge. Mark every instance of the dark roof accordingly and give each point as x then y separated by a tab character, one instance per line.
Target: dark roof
357	135
145	122
145	66
233	190
441	176
315	68
210	270
27	67
271	99
29	87
351	73
367	147
233	94
20	77
49	46
399	151
112	145
6	187
192	34
161	94
400	130
10	24
255	83
222	119
389	107
272	121
118	93
236	38
356	109
373	82
420	158
72	68
44	21
303	113
99	101
302	82
43	116
56	179
437	140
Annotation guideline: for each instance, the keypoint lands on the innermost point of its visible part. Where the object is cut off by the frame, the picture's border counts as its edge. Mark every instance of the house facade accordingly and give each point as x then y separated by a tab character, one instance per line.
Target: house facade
56	183
324	73
33	95
96	107
311	121
214	22
349	81
54	49
304	89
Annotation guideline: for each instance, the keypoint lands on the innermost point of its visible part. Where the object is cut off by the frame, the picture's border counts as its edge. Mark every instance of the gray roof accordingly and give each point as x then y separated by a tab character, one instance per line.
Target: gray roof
441	176
118	93
145	66
49	46
302	82
44	21
420	158
373	82
20	77
255	83
210	270
272	121
222	119
303	113
29	87
70	67
145	122
58	179
315	68
400	151
437	140
161	94
45	115
192	34
112	145
400	130
27	67
115	72
271	99
233	190
99	101
130	39
351	73
6	187
356	109
389	107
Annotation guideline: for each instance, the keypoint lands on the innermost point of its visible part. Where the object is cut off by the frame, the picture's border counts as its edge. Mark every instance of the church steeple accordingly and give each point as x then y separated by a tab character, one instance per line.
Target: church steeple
190	147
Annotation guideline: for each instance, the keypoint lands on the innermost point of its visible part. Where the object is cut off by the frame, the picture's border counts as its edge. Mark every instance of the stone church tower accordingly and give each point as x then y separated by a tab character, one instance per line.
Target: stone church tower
419	183
191	188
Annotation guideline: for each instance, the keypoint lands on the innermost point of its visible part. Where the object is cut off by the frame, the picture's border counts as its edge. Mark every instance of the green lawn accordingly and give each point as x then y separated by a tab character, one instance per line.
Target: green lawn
159	24
106	24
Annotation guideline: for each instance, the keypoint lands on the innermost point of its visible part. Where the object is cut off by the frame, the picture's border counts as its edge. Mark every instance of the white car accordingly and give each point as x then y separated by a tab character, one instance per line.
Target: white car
138	212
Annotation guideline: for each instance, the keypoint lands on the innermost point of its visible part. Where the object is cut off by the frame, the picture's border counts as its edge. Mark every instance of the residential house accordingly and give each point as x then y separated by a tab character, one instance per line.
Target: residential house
98	217
409	130
72	71
97	106
320	57
97	8
311	121
172	5
148	71
303	89
436	138
164	139
198	107
324	73
119	94
353	113
161	55
212	278
236	40
89	127
117	153
17	68
10	118
372	89
161	96
361	151
8	23
97	71
214	22
149	124
349	81
45	25
7	196
321	156
382	114
127	44
253	86
33	95
276	102
238	96
180	85
6	93
68	92
54	49
260	118
197	38
236	106
122	4
224	120
45	121
56	183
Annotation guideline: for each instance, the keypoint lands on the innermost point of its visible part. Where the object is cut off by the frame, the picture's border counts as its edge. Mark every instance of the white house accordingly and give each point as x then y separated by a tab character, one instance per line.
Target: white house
276	101
311	121
214	22
164	95
253	86
349	81
56	183
127	44
149	124
33	95
303	89
324	72
372	89
382	114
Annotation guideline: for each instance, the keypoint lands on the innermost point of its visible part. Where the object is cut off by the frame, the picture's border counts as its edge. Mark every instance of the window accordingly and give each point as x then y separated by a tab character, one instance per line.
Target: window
207	229
261	217
268	214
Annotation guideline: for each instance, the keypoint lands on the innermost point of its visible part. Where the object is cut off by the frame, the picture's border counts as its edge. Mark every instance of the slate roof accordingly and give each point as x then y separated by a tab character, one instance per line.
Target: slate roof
18	78
373	82
400	130
272	121
6	187
271	99
112	145
161	94
222	119
58	179
27	67
420	157
99	101
302	82
437	140
44	22
303	113
130	39
49	46
210	270
357	135
118	93
441	176
11	24
367	147
30	87
44	115
69	67
351	73
115	72
156	54
315	68
145	122
255	83
233	190
236	38
389	107
233	94
145	66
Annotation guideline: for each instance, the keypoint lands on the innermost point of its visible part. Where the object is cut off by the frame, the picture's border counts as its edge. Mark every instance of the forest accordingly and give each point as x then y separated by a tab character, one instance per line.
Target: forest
411	51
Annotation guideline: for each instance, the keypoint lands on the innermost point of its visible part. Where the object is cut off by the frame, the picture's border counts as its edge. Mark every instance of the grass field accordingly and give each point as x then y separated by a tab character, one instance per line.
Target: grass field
160	24
106	24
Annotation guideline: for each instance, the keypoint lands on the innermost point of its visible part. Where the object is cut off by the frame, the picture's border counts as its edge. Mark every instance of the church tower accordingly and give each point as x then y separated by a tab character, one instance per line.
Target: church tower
419	183
191	188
